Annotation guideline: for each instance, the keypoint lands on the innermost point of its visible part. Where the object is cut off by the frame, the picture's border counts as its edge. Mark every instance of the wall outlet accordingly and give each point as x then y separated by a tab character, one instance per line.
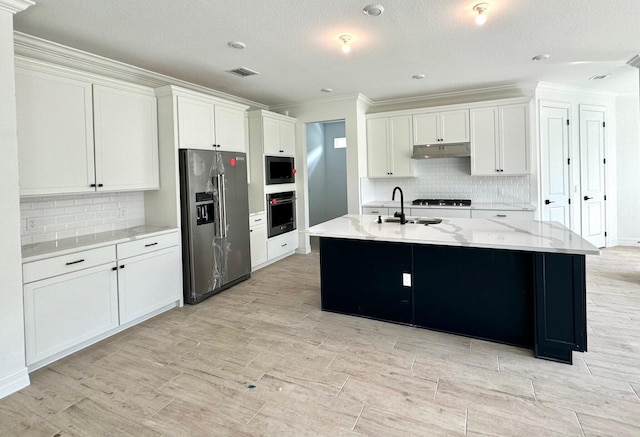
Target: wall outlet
31	223
123	212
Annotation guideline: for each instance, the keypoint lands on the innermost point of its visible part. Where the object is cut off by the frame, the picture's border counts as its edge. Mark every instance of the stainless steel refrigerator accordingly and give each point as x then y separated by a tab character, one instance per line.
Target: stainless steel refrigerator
215	221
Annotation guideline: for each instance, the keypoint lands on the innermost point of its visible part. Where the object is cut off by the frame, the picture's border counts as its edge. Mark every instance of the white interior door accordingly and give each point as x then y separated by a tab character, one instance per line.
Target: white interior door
554	162
592	164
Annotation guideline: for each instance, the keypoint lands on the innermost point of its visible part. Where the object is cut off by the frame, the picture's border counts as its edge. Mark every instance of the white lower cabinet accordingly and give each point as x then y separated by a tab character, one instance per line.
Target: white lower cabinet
375	210
75	299
282	244
148	282
440	212
502	214
258	239
66	310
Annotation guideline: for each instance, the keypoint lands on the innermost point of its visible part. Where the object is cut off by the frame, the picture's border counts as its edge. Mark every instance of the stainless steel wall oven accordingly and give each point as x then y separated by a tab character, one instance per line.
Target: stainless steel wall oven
281	212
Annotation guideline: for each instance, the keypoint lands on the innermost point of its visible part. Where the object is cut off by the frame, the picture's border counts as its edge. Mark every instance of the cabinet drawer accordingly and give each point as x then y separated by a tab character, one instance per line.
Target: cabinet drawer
440	212
73	262
149	244
278	246
257	219
375	210
499	214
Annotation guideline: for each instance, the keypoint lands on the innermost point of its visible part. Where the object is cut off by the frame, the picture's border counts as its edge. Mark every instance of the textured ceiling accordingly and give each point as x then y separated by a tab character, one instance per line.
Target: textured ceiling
294	45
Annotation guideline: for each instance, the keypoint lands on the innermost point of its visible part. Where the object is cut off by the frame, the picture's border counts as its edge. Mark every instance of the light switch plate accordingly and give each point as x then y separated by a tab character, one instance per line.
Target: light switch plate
406	279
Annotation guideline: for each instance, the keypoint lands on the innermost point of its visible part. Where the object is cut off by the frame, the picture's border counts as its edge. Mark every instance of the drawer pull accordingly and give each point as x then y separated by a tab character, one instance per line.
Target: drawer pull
375	212
258	220
284	245
122	266
114	268
501	215
150	244
75	262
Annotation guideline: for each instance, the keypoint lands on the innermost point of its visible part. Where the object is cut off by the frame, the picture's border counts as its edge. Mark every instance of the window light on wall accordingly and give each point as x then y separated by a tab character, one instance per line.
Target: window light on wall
340	143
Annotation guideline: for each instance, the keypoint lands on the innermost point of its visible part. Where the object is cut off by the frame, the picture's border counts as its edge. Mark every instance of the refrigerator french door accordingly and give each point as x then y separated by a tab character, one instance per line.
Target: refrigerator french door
215	221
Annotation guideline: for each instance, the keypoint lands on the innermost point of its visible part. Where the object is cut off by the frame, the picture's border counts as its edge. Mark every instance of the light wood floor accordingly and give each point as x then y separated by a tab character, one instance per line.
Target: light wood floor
262	359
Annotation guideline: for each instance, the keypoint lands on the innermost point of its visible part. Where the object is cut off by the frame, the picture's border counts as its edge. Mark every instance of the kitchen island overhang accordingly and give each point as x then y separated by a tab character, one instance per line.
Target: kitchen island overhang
514	282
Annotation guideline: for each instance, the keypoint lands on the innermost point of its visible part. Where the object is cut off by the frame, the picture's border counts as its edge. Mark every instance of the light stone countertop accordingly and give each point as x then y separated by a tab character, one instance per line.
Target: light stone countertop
526	235
478	205
37	251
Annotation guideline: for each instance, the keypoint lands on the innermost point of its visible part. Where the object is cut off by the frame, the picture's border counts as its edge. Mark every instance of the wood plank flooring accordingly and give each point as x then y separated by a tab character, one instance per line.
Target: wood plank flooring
261	359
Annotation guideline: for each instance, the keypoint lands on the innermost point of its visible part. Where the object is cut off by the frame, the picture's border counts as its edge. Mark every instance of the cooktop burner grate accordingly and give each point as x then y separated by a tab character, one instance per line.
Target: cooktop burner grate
442	202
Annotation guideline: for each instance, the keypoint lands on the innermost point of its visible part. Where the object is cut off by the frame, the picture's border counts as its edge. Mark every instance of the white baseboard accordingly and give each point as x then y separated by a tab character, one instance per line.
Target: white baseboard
14	382
627	242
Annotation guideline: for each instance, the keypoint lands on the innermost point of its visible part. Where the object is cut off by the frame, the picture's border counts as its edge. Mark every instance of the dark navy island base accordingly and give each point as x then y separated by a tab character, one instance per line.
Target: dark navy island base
535	300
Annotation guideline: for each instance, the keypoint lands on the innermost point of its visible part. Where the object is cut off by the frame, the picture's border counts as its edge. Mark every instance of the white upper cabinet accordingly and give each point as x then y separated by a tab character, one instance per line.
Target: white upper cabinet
389	147
126	138
203	123
500	140
76	135
278	136
196	128
441	127
55	133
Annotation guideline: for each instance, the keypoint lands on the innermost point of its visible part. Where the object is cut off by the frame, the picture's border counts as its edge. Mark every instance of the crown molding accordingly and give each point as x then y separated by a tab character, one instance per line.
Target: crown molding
323	101
40	49
15	6
575	90
634	62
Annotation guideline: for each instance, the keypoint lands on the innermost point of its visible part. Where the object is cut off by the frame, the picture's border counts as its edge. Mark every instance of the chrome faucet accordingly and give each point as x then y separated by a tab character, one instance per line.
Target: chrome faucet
401	213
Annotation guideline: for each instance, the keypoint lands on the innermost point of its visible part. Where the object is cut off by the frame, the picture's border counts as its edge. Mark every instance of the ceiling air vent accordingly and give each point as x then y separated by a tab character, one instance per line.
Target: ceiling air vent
243	72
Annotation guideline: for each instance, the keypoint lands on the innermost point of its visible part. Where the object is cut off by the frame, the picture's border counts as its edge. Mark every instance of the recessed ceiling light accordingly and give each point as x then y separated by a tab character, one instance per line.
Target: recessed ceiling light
599	77
418	76
373	10
236	45
326	90
540	58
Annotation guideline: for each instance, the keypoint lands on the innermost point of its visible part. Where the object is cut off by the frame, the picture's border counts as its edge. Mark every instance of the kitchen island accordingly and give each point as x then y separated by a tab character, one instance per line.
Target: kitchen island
515	282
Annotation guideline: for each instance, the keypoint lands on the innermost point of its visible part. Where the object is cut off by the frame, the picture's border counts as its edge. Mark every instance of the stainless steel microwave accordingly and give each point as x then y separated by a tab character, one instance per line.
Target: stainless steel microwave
279	170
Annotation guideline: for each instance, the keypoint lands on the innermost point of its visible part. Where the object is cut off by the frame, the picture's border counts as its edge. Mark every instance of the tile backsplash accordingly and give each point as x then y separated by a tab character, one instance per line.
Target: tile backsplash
49	218
451	178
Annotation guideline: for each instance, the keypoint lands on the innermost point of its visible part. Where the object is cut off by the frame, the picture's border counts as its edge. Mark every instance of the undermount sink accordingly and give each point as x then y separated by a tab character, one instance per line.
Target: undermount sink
413	221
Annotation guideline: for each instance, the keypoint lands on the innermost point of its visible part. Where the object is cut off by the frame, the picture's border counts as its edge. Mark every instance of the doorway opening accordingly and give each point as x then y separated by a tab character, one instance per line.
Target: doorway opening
326	170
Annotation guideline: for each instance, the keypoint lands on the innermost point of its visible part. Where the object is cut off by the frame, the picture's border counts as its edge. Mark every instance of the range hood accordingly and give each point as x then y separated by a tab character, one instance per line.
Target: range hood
430	151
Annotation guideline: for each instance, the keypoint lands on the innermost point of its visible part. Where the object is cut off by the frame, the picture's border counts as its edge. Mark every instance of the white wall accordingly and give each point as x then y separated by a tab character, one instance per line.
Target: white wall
13	370
352	110
628	154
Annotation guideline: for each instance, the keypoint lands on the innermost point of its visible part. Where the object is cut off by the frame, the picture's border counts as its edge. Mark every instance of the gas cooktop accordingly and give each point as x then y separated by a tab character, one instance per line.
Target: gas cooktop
442	202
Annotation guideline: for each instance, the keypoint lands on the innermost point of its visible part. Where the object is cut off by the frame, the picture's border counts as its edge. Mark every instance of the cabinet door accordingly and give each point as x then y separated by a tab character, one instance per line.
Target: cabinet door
365	278
258	240
377	147
229	125
514	139
196	129
401	147
55	134
454	126
66	310
271	136
126	139
288	138
484	142
426	129
148	282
